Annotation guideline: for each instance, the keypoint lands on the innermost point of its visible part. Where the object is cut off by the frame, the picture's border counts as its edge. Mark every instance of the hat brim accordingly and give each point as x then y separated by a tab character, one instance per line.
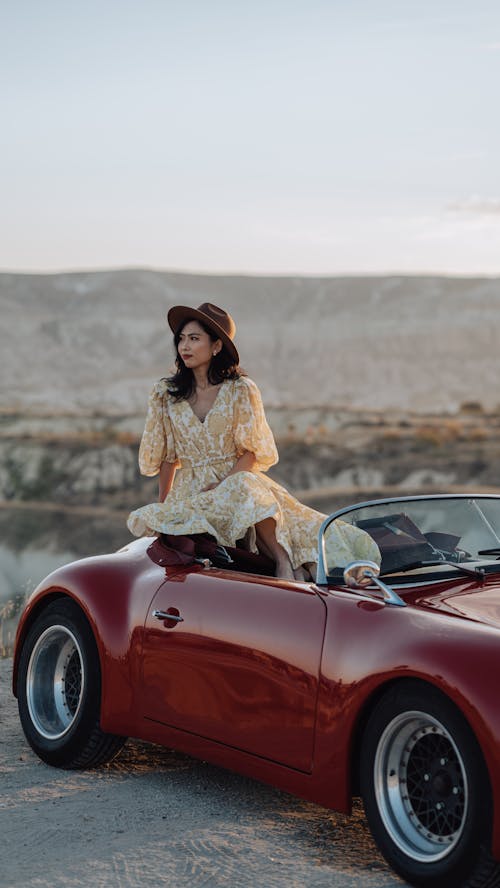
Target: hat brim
182	313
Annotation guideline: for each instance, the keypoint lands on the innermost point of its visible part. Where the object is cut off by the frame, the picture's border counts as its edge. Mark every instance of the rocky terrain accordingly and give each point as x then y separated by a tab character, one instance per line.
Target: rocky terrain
369	382
92	463
84	342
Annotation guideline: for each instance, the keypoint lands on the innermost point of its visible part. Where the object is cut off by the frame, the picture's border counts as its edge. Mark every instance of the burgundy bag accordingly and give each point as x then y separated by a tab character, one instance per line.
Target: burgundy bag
169	550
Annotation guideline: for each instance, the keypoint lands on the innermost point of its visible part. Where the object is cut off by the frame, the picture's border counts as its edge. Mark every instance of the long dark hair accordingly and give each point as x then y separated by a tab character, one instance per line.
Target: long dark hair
222	366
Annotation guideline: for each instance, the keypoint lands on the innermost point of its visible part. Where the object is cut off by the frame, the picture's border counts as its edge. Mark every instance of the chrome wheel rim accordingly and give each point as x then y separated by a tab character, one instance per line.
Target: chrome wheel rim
55	682
421	786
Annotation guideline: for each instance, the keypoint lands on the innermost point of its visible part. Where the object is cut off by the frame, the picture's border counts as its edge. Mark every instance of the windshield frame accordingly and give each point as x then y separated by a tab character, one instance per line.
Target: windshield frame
322	576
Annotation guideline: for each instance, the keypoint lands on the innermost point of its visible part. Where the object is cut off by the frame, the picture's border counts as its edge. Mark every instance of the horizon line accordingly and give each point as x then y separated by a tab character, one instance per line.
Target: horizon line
112	269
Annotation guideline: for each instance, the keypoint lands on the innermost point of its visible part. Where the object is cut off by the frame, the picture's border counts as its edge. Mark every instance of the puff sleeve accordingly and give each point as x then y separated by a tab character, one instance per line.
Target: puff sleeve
157	443
250	429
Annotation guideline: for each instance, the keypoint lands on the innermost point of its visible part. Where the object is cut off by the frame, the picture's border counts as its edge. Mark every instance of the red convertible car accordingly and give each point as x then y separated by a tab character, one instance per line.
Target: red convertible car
326	690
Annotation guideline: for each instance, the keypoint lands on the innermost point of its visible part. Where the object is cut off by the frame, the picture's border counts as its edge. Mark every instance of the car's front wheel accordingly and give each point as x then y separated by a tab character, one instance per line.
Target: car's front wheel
425	790
59	690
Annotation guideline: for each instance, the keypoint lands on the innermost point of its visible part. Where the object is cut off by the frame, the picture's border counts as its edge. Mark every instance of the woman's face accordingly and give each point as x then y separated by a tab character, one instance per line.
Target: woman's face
195	346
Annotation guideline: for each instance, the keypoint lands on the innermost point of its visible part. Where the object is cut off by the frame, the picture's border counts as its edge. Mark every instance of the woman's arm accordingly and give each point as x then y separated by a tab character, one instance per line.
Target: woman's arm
167	473
245	463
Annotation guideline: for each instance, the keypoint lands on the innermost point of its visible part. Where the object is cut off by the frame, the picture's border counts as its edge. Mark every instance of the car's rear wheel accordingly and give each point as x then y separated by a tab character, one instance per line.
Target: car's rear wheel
426	791
59	690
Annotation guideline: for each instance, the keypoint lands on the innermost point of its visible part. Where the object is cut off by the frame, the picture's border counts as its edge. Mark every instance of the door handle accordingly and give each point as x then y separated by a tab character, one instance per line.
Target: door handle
164	615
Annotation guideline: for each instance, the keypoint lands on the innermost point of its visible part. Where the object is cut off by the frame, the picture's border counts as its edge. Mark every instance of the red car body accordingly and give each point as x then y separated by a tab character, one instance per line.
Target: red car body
276	679
324	689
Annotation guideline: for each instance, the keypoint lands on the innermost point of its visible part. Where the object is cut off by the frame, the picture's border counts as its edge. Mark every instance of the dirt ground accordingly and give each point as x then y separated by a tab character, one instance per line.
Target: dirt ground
155	817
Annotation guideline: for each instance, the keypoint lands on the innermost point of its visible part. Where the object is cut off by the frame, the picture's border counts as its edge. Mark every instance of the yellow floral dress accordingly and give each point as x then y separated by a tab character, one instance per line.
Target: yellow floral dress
206	451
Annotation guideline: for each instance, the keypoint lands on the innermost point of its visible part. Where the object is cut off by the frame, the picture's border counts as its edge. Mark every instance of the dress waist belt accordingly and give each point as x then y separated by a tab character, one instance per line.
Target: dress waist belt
207	461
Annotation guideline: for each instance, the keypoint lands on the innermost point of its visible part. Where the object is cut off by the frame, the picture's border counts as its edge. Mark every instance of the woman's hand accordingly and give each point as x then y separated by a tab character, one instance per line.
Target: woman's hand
244	463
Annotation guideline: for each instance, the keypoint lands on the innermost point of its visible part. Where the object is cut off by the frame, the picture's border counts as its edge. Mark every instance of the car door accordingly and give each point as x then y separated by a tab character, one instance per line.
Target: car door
237	661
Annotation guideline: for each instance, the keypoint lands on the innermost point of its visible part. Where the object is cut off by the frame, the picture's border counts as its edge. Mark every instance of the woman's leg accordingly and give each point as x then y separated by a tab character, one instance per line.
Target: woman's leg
311	567
267	542
302	574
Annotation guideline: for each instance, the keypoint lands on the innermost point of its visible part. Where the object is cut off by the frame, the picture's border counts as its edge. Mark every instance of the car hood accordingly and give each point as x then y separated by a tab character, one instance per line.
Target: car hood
468	600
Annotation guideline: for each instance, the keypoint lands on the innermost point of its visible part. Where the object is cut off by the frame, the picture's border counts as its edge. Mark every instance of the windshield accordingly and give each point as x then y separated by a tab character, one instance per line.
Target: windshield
422	532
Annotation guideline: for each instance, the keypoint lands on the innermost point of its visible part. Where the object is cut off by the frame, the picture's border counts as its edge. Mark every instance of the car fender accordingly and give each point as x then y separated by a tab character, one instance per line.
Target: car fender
368	645
114	593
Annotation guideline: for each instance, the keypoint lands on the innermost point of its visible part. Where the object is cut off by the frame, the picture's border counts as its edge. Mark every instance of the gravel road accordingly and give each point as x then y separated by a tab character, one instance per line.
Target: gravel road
158	818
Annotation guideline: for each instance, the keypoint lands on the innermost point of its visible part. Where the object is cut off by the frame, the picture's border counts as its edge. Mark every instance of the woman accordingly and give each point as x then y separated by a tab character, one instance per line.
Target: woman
207	437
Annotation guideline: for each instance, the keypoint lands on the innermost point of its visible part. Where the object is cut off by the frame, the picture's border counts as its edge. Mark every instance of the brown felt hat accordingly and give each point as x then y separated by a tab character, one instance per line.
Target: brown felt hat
216	318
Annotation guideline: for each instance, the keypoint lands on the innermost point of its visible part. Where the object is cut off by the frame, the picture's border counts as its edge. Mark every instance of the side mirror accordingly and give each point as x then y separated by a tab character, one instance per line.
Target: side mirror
358	572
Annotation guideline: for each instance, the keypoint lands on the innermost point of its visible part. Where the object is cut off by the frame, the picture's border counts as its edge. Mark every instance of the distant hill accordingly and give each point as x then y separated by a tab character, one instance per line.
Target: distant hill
95	341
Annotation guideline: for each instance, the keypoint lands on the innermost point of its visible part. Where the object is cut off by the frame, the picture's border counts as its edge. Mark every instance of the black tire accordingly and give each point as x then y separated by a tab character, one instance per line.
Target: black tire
59	690
426	791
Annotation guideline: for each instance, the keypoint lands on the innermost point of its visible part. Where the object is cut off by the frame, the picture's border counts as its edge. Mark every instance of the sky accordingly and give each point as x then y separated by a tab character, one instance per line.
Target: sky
257	136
